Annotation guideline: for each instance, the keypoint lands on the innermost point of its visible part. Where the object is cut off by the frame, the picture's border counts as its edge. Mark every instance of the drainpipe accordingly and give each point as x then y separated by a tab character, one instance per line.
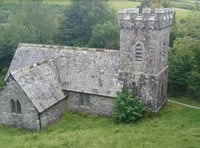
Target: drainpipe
39	125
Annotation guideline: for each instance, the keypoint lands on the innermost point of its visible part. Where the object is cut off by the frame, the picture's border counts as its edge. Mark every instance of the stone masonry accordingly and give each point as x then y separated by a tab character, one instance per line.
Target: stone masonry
29	115
44	81
144	43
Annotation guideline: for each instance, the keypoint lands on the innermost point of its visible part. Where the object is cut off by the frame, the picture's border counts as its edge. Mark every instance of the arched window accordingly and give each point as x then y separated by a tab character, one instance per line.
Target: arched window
138	52
13	106
19	110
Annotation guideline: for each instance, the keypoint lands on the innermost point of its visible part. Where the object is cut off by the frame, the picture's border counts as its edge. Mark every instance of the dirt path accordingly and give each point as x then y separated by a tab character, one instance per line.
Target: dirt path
183	104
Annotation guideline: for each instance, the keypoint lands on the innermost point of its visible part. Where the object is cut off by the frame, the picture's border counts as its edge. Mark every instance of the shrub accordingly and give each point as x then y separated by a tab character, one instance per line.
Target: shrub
128	107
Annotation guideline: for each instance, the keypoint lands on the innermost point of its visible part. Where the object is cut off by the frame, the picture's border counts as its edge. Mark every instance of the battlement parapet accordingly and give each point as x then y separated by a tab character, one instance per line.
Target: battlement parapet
150	19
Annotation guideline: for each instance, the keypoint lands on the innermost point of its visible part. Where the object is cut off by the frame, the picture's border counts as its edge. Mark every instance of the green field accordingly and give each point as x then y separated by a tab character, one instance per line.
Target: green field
117	5
57	2
174	127
184	4
181	13
58	6
185	100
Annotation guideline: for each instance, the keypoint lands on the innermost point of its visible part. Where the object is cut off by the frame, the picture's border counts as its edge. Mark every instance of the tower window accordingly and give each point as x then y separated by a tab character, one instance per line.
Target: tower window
138	52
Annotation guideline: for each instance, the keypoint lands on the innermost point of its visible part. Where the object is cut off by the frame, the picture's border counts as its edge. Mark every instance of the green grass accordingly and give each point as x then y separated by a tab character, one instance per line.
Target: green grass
184	4
57	2
116	4
122	4
186	101
58	6
181	13
175	126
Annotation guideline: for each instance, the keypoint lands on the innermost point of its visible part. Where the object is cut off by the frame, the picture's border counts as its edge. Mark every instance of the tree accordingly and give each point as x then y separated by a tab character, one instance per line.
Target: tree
32	23
154	3
180	66
184	68
184	65
194	78
79	20
105	36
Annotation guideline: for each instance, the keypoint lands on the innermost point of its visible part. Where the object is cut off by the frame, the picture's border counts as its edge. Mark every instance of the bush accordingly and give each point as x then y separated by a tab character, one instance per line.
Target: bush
128	107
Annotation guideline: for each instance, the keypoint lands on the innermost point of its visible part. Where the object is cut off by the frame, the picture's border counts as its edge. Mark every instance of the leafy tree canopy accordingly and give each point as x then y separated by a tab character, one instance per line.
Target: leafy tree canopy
154	3
80	19
184	69
105	36
184	65
32	23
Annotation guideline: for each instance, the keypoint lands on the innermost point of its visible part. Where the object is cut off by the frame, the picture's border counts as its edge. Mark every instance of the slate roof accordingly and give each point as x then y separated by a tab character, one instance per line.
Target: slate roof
29	54
92	71
40	83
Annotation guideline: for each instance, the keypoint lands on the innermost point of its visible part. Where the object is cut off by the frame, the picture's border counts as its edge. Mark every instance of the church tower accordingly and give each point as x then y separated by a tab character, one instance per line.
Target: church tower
144	43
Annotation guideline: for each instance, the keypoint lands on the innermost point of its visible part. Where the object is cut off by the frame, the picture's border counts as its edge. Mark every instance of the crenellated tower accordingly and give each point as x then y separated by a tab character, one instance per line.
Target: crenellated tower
144	43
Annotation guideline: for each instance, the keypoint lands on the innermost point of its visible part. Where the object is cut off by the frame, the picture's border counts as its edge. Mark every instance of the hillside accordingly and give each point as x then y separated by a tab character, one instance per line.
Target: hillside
181	6
184	4
175	126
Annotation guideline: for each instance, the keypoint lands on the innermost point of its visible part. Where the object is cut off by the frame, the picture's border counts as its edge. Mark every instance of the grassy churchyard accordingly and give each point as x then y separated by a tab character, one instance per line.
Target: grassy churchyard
175	126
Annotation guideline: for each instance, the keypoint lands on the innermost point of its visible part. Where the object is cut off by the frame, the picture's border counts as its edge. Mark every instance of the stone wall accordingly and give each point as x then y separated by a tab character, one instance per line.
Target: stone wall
153	89
53	113
144	43
155	44
162	82
98	104
29	116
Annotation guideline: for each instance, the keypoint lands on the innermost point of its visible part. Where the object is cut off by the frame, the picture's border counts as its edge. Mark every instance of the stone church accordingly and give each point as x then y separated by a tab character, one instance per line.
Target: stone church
44	81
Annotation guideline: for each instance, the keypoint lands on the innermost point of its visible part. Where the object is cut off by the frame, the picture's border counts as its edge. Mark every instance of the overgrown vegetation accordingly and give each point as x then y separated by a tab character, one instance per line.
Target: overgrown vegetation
128	107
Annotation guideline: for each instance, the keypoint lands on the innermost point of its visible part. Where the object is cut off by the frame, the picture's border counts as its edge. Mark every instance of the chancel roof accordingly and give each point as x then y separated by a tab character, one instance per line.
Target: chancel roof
41	84
29	54
87	70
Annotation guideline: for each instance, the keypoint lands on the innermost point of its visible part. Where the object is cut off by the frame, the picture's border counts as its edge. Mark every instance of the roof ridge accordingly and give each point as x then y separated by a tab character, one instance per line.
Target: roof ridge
37	64
60	47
